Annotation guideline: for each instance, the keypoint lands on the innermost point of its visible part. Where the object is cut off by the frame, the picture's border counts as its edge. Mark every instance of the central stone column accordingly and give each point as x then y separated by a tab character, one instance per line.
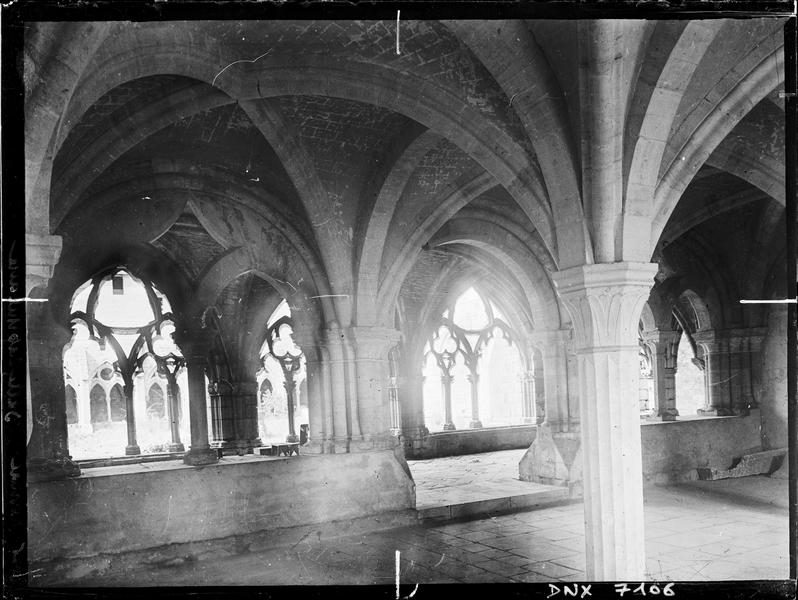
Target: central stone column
605	302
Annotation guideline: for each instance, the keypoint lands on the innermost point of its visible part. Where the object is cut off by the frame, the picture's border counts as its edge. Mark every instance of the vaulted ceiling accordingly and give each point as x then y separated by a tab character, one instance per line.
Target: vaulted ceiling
389	177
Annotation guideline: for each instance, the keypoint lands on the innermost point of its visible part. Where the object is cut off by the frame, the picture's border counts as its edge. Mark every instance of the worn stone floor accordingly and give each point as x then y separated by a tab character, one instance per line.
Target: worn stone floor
476	484
694	532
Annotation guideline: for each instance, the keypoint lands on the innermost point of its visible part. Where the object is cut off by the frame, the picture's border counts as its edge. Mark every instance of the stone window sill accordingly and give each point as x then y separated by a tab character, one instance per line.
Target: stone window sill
167	463
687	419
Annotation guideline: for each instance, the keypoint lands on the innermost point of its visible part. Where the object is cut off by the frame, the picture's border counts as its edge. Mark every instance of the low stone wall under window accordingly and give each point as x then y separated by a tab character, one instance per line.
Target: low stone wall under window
133	507
673	450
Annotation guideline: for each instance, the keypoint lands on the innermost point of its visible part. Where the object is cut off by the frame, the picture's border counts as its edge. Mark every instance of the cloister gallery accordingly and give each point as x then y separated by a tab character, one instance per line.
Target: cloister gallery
283	260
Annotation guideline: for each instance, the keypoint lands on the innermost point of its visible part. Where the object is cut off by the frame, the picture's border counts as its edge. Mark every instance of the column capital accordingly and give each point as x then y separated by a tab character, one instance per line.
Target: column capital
708	339
544	338
41	255
373	342
605	301
732	339
661	336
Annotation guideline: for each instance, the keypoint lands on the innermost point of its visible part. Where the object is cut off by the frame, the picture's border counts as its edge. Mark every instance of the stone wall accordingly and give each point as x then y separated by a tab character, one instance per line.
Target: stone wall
471	441
773	392
673	450
122	509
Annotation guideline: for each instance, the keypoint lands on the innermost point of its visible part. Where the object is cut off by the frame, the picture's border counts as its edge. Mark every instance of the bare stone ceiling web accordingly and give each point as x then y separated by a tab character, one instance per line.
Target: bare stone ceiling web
189	245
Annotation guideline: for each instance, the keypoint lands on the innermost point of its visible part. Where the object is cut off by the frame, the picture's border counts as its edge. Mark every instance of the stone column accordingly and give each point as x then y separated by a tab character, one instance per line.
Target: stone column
290	397
528	399
752	382
716	373
222	415
605	302
132	448
743	346
664	345
317	377
195	345
48	454
234	415
446	386
318	433
553	346
246	425
411	399
371	347
47	451
173	408
473	380
554	458
538	388
350	383
338	389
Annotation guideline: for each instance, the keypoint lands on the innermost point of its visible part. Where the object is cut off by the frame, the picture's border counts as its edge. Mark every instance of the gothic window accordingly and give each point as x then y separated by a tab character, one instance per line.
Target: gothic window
71	405
280	412
646	393
690	383
119	321
98	404
118	410
473	370
155	402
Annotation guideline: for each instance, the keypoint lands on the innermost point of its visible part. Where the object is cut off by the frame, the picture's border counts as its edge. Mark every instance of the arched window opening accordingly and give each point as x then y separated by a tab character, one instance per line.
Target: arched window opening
71	405
690	384
122	349
118	410
282	410
473	369
646	389
155	403
99	405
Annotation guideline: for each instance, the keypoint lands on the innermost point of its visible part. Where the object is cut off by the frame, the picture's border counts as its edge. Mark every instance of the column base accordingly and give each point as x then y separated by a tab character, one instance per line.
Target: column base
668	414
177	448
132	450
221	444
554	458
314	447
201	456
49	469
475	425
449	427
292	439
530	421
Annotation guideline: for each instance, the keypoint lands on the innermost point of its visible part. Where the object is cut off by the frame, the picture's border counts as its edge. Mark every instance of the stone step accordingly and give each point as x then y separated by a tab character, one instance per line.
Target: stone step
475	504
757	463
